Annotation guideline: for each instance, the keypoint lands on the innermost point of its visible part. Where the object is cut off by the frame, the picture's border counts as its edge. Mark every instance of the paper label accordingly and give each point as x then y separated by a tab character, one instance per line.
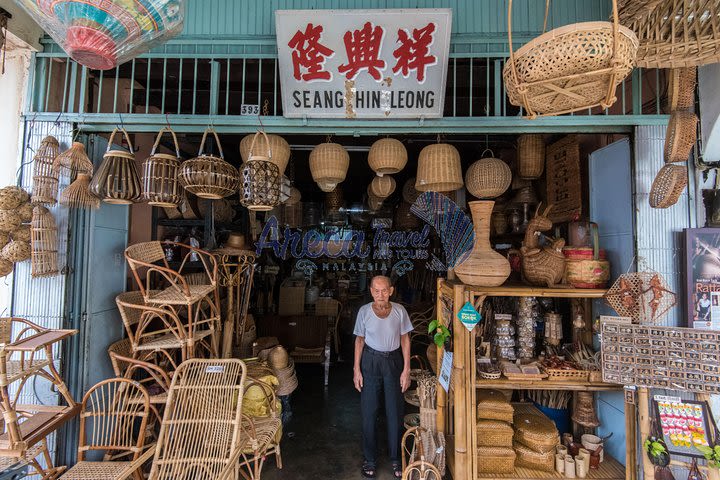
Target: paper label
469	316
446	371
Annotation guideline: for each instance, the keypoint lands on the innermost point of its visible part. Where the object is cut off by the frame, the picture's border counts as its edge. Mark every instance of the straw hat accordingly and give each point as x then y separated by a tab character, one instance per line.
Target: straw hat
235	245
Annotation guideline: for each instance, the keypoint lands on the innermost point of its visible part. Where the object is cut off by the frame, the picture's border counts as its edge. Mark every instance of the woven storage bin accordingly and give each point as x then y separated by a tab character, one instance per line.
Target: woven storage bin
382	187
681	88
488	178
12	197
530	156
45	179
529	458
260	179
278	146
667	187
493	405
209	176
20	234
438	169
117	181
495	460
586	267
408	192
387	156
494	433
329	163
78	194
680	136
16	251
570	68
73	161
536	432
44	243
6	267
9	220
160	175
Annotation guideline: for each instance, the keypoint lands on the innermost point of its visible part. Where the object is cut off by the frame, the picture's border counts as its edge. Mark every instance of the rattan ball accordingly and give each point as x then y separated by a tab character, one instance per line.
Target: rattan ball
488	178
329	163
12	197
6	267
9	220
439	169
16	251
387	156
279	148
21	234
25	212
4	239
382	187
409	193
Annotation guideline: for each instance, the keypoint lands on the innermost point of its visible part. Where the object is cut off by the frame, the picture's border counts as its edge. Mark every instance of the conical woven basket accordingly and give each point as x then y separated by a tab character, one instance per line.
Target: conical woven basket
73	161
530	156
382	187
209	176
329	163
681	88
488	178
117	181
45	180
438	169
278	146
77	194
161	187
44	243
387	156
680	136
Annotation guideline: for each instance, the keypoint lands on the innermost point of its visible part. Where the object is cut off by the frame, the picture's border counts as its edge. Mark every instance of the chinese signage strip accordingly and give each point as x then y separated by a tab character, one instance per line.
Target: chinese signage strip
363	63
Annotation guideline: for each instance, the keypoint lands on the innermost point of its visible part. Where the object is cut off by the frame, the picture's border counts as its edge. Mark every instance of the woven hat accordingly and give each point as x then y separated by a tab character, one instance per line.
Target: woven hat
235	245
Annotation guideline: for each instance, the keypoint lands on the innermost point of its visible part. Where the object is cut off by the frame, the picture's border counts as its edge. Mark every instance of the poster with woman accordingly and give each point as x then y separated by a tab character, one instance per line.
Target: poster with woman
702	271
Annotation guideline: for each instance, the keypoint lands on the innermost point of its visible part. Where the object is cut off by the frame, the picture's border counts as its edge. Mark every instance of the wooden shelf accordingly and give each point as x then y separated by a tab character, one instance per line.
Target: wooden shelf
43	421
528	291
610	469
506	384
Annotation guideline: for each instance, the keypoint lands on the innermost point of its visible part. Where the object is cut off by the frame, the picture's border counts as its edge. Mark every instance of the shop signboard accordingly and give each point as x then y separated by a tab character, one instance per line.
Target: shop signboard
363	63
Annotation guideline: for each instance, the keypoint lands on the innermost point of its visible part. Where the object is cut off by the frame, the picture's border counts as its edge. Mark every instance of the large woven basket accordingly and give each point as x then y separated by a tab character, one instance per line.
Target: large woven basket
681	88
680	136
530	156
488	177
668	185
382	187
44	243
45	179
495	460
570	68
209	176
329	164
439	169
276	144
117	181
160	175
387	156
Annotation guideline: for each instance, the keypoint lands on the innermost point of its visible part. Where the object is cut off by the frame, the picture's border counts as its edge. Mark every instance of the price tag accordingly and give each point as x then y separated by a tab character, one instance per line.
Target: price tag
469	316
215	369
446	371
252	110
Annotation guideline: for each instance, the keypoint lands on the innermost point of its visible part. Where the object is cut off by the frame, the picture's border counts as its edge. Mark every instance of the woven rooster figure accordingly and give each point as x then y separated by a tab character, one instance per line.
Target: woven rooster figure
542	266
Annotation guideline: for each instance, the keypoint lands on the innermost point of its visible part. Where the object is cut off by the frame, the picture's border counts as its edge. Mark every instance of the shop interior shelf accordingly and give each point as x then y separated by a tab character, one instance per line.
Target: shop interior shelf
507	384
528	291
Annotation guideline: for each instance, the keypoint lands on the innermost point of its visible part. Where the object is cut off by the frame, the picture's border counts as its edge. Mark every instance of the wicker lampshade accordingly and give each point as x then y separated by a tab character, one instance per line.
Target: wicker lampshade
260	185
45	179
488	178
278	146
209	176
160	175
387	156
531	156
43	233
117	181
78	194
329	163
409	193
294	198
439	169
73	160
382	187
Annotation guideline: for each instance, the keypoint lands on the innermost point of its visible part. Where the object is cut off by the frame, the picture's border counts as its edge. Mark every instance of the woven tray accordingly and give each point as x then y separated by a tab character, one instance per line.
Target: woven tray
555	375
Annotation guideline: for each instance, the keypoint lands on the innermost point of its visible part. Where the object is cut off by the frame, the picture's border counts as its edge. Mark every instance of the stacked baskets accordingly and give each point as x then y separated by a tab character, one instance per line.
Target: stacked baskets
534	442
15	215
494	433
284	369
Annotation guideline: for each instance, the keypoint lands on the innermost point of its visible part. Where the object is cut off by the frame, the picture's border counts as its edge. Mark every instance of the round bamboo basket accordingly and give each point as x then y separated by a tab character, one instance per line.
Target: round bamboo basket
409	193
44	243
160	175
25	212
276	144
680	136
16	251
382	187
6	267
77	194
12	197
329	163
668	185
73	161
387	156
294	198
45	180
681	88
438	169
9	220
488	178
20	234
531	156
209	176
117	181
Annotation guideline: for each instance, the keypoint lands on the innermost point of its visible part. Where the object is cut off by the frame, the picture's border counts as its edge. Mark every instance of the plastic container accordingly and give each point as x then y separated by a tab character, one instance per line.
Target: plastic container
559	416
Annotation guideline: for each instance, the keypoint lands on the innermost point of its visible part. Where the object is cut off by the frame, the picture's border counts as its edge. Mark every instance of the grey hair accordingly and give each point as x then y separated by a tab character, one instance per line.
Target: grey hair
381	277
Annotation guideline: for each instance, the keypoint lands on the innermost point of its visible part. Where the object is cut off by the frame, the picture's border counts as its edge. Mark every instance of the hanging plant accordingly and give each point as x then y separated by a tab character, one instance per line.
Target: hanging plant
657	451
439	332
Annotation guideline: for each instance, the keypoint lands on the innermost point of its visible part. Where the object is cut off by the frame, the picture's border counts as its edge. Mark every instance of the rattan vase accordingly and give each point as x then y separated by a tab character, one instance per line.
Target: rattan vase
387	156
117	181
439	169
484	267
43	233
382	187
45	179
329	163
209	176
78	195
530	156
488	178
161	187
680	136
73	161
260	188
276	144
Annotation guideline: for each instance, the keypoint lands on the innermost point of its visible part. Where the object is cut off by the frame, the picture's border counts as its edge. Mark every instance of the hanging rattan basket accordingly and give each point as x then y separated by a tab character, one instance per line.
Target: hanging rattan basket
438	169
78	195
117	181
45	180
681	88
43	232
73	161
382	187
209	176
161	187
329	163
488	177
668	185
276	144
570	68
260	187
387	156
530	156
680	136
12	197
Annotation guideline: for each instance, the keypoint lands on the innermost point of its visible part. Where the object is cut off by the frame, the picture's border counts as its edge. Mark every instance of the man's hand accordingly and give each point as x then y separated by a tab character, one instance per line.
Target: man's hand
358	379
405	380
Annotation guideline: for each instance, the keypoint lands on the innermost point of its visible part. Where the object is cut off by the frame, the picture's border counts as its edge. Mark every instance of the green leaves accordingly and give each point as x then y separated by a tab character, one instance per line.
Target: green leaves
439	332
711	454
433	326
654	447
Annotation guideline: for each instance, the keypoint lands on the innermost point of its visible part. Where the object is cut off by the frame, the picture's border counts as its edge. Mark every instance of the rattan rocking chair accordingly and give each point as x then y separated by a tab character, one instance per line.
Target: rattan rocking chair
111	412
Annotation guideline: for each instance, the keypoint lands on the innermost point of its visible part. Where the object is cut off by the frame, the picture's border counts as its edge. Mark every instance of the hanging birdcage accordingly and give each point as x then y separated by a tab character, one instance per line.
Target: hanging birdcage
117	181
161	187
260	188
45	180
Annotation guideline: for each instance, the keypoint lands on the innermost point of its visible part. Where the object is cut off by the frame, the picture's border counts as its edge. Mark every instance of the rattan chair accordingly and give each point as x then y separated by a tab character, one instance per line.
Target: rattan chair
122	348
200	301
262	434
112	411
155	380
423	454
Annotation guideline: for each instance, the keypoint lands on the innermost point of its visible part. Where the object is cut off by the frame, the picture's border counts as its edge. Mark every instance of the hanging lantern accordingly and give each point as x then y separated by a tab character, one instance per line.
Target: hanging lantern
387	156
278	146
382	187
78	195
45	180
44	254
530	156
160	175
488	177
329	164
100	34
73	161
209	176
439	169
117	181
260	187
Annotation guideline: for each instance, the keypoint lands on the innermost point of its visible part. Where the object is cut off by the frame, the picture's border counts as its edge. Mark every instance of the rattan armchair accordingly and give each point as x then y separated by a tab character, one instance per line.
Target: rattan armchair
112	412
153	378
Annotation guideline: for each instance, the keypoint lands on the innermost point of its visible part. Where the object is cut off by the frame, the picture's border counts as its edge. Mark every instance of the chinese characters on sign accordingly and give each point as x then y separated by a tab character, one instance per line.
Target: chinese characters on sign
363	63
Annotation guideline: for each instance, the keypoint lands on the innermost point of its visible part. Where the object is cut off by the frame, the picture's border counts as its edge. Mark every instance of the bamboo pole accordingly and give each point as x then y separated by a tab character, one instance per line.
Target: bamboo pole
477	301
643	401
461	417
441	395
630	441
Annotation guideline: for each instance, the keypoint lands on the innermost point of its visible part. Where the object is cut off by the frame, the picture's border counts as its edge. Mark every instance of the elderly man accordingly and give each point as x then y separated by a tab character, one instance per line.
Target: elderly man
382	362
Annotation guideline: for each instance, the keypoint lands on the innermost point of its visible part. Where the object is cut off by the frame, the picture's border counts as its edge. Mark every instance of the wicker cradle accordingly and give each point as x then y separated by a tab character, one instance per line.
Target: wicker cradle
680	136
387	156
488	177
160	175
439	169
117	181
276	144
382	187
329	163
570	68
681	88
260	179
45	179
43	233
668	185
209	176
530	156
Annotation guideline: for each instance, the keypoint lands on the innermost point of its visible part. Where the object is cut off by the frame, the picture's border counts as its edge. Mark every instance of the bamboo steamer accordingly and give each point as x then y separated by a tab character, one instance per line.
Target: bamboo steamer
161	187
276	144
45	180
260	185
382	187
329	163
117	181
531	156
78	195
209	176
73	161
438	169
16	251
12	197
488	177
387	156
680	136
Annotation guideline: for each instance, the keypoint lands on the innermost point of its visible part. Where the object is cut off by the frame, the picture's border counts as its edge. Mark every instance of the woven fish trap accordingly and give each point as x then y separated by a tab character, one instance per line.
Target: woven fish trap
681	88
161	187
9	220
571	68
669	184
680	136
45	180
209	176
488	177
16	251
382	187
439	169
387	156
78	195
276	144
43	230
73	161
530	156
117	181
12	197
329	163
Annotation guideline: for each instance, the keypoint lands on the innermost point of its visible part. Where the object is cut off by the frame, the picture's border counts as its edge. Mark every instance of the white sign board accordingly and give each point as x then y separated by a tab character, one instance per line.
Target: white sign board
446	371
363	63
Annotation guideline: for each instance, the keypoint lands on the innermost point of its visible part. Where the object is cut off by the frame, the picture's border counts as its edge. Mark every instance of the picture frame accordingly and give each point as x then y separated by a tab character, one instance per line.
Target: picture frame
684	424
702	278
